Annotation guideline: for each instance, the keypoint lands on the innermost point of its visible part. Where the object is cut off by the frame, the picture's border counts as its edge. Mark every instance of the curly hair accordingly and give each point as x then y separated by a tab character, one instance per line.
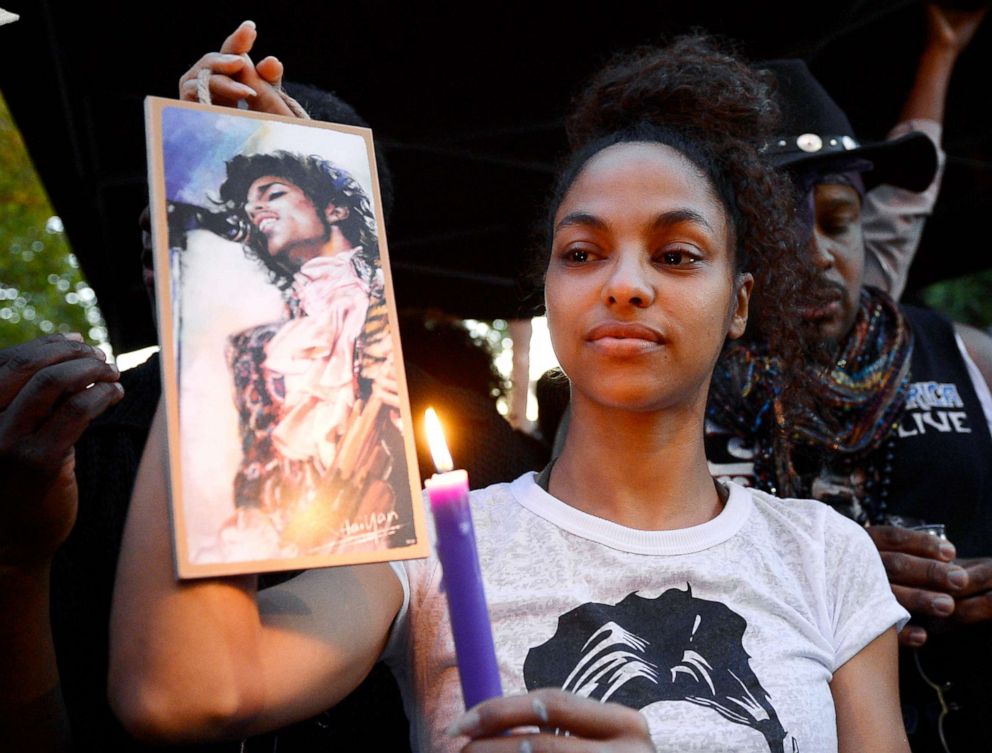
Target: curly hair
321	181
710	106
330	108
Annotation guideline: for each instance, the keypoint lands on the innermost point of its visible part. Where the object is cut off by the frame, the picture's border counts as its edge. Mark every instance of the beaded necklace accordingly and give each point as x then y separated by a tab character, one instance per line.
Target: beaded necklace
853	409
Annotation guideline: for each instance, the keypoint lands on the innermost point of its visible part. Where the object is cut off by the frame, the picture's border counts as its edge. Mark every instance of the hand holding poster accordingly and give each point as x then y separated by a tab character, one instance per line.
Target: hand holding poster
289	427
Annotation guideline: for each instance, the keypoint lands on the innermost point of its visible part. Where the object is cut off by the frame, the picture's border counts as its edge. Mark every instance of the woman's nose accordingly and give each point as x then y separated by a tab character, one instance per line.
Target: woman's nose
629	283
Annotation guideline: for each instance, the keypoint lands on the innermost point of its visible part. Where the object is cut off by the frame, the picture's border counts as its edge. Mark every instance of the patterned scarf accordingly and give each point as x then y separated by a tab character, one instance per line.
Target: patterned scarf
853	407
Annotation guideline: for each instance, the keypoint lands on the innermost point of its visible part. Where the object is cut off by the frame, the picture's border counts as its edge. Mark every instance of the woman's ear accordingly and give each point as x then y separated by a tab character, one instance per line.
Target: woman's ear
334	213
741	302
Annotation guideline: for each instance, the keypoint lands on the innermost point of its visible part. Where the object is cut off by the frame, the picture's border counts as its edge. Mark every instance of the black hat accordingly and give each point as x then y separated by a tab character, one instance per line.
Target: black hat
816	133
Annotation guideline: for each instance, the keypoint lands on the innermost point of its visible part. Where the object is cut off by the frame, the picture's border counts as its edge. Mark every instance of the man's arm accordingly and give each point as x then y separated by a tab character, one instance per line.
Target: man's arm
893	218
979	347
974	603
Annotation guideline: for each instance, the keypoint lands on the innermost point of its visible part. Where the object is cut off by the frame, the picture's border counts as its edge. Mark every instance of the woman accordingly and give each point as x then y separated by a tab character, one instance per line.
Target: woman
624	577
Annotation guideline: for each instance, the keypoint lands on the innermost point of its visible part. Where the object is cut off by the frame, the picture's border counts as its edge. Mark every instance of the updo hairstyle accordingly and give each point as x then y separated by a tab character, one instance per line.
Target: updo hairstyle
717	111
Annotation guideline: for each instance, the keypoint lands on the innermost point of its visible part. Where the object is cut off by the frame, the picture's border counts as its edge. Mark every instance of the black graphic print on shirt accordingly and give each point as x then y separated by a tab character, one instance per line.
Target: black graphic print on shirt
671	648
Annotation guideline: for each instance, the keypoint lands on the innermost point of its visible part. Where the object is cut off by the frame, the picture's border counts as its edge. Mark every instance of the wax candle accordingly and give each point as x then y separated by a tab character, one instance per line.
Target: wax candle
474	649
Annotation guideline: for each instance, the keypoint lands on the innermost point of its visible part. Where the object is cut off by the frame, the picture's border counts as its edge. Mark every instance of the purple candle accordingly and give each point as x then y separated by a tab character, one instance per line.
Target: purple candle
448	492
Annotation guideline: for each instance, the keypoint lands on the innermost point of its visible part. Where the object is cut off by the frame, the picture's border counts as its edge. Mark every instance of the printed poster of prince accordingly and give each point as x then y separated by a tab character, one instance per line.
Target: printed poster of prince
290	435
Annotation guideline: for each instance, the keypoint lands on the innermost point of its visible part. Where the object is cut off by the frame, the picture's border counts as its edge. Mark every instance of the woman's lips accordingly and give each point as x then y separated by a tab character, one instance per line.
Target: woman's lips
624	338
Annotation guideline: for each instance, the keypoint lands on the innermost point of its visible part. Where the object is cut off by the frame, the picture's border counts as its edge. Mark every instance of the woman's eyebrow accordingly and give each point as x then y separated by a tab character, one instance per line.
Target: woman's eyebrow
581	218
665	219
678	216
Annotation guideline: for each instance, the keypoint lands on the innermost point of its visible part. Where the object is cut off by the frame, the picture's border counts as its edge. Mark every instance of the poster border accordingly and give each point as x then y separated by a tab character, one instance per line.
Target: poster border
184	568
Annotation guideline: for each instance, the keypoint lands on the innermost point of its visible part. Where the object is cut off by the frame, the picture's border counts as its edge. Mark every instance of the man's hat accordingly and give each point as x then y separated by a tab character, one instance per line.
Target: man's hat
817	134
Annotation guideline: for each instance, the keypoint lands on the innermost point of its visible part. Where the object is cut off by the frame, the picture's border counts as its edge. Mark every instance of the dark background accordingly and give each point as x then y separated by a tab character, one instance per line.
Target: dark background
466	98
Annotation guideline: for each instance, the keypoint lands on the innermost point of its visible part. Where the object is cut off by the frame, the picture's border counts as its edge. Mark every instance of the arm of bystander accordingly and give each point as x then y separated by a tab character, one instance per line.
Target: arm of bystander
893	218
50	390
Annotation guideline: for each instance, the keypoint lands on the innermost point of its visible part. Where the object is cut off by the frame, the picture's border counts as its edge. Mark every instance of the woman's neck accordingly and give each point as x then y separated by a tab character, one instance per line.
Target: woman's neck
641	470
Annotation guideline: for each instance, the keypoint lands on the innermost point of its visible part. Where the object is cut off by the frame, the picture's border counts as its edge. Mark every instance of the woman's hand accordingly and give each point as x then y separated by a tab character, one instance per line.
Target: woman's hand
234	77
492	726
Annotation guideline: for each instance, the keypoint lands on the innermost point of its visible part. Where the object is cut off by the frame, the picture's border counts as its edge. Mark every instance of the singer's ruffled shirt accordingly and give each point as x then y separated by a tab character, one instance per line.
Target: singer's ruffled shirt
295	381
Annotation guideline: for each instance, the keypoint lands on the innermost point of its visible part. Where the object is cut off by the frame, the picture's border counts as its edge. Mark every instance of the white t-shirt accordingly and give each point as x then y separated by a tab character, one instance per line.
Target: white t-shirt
725	635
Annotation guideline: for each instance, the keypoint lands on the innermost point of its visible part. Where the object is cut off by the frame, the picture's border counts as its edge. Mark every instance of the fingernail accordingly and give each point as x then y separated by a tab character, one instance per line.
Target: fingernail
943	604
526	747
947	550
250	24
466	724
228	58
957	577
74	336
540	709
118	386
113	369
250	91
916	638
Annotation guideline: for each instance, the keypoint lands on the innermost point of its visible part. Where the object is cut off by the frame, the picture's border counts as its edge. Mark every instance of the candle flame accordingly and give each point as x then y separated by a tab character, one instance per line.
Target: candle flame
435	440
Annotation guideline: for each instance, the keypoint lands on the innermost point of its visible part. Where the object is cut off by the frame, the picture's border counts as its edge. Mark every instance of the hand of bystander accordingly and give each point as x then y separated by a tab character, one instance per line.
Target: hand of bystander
974	601
924	577
50	390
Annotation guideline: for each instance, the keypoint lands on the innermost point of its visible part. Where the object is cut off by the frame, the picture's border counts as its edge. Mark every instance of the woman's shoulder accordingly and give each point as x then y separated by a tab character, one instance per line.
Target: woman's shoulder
809	517
499	495
837	552
508	506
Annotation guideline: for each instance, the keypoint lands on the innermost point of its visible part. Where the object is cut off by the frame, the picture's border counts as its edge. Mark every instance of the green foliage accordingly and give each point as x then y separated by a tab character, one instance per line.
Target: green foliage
41	287
964	299
494	338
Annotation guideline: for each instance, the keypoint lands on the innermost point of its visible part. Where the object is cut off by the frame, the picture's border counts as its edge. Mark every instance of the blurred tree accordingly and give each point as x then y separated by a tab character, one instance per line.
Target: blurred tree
41	287
964	299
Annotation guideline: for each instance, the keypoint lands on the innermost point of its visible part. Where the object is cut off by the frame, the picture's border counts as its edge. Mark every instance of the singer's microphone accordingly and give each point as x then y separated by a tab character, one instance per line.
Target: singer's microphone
186	217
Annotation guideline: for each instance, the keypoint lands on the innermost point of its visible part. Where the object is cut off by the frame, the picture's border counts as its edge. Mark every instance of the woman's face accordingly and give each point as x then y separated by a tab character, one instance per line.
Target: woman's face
640	290
286	217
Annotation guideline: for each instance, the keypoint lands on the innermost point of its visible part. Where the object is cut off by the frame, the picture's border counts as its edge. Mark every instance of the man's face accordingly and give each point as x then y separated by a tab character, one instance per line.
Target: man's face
839	256
281	212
